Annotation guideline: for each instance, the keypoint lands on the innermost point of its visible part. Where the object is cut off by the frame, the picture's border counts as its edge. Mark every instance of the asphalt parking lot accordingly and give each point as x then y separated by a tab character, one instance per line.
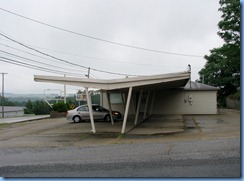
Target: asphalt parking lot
59	132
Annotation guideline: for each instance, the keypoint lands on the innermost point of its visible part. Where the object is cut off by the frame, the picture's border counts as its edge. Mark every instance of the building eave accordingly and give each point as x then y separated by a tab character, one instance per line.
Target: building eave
179	78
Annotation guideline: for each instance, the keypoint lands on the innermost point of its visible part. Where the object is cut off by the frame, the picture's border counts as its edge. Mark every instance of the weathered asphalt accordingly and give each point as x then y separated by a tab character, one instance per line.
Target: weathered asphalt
198	158
209	146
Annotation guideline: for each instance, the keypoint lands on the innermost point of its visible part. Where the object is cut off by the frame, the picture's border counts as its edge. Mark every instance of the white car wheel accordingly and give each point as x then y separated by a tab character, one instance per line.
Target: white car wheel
77	119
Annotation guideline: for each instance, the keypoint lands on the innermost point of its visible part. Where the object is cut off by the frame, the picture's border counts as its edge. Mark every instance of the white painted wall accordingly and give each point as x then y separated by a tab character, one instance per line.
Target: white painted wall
174	102
117	106
177	102
12	111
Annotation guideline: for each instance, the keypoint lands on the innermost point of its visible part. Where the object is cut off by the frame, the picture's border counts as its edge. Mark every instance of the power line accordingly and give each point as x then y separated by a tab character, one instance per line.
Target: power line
83	56
31	53
11	54
65	61
100	39
23	64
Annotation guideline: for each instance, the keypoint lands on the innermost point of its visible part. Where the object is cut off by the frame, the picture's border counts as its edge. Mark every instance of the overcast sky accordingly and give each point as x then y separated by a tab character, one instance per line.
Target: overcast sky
172	27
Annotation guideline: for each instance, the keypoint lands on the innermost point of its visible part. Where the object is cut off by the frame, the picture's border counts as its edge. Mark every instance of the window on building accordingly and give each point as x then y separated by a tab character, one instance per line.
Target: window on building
117	98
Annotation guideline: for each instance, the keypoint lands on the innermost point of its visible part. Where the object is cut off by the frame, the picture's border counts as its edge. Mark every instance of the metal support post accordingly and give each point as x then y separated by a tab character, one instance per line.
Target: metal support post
90	110
126	110
110	110
64	91
152	103
138	107
3	94
146	106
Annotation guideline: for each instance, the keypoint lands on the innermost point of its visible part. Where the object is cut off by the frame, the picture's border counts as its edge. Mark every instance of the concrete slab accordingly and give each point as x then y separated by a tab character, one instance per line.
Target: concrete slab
159	124
59	132
22	119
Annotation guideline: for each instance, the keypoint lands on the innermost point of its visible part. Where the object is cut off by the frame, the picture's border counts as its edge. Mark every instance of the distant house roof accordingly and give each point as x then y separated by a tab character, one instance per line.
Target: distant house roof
199	86
12	108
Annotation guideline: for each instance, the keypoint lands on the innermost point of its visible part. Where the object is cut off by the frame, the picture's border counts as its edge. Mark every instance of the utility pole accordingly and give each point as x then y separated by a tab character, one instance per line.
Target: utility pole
64	91
189	70
3	93
88	75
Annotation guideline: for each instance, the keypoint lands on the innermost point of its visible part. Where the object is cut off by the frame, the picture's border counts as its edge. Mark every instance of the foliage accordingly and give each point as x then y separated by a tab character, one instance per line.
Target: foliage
236	95
29	109
60	107
41	107
222	68
95	97
38	107
6	102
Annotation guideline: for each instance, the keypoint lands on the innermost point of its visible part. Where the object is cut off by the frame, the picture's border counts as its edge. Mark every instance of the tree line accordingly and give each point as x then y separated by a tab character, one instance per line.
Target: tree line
222	68
40	107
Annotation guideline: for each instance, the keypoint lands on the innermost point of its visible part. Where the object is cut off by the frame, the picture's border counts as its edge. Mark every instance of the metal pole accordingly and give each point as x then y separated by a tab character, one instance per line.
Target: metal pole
126	110
110	110
90	110
189	67
3	94
88	75
146	106
64	91
138	106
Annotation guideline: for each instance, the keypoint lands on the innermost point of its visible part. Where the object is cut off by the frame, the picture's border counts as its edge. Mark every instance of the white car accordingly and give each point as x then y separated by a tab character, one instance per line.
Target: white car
81	113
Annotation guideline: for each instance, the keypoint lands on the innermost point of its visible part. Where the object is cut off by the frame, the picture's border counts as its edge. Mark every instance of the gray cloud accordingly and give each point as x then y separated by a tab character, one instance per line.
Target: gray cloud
179	26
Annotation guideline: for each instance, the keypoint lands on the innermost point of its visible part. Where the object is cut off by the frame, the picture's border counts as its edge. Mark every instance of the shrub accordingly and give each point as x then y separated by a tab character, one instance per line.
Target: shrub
60	107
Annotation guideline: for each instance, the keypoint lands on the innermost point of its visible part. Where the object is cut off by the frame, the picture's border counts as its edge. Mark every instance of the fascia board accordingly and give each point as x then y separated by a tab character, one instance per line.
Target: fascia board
114	83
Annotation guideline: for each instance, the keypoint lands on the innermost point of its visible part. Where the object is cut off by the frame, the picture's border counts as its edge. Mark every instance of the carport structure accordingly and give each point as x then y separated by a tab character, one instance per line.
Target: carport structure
137	84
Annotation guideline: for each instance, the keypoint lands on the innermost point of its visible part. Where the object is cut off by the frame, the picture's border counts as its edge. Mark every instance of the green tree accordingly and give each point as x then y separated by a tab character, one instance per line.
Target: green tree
41	107
6	102
95	97
29	108
60	107
222	68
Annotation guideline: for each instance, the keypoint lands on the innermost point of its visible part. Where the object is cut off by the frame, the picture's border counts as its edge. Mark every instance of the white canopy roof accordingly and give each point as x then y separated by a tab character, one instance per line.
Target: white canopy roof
142	83
162	81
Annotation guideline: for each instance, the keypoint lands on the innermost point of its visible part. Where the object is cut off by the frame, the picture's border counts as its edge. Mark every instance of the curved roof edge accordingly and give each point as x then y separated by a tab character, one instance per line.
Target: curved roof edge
112	84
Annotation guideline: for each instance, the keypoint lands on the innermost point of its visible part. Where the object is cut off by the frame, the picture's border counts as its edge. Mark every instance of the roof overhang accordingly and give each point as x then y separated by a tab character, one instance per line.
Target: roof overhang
162	81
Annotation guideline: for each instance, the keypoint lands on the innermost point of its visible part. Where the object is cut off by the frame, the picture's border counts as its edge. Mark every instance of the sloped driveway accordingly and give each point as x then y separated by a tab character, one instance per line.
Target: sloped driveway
60	132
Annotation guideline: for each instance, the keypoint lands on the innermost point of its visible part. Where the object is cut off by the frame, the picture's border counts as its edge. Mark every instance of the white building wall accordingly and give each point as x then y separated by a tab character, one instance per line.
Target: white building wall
173	102
178	102
118	106
13	113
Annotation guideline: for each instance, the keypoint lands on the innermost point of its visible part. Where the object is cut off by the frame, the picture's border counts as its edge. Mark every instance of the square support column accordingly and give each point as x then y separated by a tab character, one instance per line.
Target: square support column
126	110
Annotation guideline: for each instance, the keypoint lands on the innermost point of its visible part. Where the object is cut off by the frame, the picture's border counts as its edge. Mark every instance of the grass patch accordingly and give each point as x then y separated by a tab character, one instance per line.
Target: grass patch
121	135
4	125
84	136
